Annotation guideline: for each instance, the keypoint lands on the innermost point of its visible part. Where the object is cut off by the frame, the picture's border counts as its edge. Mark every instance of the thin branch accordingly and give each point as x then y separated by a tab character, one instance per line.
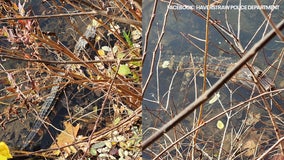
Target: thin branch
71	62
272	24
102	13
157	44
273	146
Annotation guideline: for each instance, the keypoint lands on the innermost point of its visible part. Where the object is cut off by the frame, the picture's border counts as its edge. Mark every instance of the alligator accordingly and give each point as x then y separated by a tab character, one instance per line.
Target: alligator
217	67
50	102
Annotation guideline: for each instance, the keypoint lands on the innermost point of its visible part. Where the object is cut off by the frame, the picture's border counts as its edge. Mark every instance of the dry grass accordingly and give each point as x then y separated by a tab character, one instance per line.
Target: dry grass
101	87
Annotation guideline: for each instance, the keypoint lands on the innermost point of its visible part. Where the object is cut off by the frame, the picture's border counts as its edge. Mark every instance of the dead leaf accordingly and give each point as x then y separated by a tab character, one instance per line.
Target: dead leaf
66	137
252	119
249	147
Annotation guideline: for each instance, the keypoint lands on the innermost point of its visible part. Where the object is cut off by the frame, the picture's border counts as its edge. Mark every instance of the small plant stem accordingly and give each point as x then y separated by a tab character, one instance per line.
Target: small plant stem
199	121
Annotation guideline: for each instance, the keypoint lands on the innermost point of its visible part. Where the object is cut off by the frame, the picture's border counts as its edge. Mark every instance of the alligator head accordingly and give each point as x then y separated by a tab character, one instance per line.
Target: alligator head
249	79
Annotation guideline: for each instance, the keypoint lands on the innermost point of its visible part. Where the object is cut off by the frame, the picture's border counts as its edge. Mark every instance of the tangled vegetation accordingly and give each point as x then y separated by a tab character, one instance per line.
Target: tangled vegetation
94	91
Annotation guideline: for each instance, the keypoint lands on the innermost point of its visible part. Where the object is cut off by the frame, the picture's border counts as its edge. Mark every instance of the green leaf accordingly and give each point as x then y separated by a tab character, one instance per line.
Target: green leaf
127	38
93	152
135	77
120	55
124	70
116	120
136	63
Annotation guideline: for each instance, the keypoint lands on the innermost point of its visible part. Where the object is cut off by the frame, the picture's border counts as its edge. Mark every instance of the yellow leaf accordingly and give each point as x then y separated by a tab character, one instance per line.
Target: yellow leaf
15	6
215	98
101	52
96	23
4	151
57	152
116	121
3	157
220	125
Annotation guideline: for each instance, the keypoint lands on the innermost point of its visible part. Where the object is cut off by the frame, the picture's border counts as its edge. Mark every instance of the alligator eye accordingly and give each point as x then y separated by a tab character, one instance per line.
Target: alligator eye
259	73
251	78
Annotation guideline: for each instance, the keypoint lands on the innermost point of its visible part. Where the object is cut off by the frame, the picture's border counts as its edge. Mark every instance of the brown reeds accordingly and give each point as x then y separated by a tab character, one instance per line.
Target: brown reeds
101	86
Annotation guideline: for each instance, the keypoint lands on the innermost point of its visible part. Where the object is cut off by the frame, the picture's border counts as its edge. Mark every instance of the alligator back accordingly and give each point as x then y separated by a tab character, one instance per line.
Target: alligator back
50	102
217	67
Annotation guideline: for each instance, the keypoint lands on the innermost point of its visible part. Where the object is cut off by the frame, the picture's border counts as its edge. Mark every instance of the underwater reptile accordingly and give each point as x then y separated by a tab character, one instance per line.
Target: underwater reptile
51	100
217	67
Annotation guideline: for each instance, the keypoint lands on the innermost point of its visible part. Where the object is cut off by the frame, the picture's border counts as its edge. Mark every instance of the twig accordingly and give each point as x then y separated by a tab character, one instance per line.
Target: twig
272	24
204	72
102	13
71	62
145	44
268	150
